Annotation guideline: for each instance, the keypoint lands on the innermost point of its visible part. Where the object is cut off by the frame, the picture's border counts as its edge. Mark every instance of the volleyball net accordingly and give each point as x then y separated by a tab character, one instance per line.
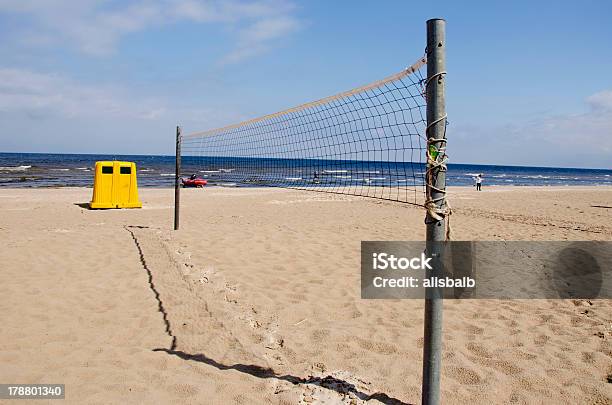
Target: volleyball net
369	141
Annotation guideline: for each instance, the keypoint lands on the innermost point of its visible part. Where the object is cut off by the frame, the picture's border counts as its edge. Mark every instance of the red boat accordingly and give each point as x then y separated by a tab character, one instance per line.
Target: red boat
193	182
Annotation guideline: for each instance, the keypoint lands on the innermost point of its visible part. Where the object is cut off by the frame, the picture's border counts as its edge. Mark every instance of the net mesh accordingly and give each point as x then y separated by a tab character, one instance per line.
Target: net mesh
369	141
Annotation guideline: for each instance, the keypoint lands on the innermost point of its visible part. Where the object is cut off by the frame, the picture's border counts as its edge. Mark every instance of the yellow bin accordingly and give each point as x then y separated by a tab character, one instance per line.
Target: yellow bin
115	186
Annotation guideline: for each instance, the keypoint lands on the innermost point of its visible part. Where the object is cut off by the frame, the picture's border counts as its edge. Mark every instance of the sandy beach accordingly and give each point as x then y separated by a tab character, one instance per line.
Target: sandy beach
257	300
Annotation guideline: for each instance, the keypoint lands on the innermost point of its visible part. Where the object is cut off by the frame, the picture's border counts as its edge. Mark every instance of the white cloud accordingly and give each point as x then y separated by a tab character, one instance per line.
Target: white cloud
42	96
256	38
47	94
601	102
95	27
228	10
572	140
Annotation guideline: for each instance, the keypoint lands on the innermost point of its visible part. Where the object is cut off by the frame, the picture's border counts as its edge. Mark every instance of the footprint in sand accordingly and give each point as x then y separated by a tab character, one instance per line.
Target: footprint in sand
478	350
463	375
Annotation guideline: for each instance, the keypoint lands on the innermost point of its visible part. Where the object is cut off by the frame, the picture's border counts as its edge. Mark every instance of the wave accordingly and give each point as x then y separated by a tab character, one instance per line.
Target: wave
14	168
167	174
335	171
60	170
371	179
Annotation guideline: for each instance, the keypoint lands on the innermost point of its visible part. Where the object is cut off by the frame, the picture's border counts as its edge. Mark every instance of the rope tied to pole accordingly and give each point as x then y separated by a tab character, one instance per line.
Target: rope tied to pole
438	208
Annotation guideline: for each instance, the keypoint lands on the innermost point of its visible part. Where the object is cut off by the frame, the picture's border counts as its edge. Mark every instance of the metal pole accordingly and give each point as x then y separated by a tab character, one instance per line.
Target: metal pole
177	179
436	187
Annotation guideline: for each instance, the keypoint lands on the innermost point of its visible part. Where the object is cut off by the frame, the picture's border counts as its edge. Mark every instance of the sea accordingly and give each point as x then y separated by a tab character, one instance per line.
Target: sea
35	170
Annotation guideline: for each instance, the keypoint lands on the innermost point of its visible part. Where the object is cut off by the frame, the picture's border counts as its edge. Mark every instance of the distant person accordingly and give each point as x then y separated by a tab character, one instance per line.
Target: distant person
316	177
193	176
478	180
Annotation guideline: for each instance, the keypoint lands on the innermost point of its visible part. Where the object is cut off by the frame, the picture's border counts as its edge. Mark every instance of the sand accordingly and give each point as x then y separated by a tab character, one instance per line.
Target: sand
256	299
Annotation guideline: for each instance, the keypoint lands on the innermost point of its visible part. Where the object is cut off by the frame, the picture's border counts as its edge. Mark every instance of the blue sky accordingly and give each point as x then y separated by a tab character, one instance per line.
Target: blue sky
529	82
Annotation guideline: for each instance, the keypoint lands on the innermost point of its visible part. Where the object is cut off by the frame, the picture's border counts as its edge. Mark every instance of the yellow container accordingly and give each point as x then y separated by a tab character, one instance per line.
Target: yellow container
115	186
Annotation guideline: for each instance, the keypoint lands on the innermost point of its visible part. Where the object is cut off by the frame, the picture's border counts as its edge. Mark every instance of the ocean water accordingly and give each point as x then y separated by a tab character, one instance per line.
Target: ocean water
61	170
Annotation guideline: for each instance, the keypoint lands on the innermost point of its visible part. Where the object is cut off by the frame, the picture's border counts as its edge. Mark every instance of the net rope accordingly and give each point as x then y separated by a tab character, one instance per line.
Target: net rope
369	141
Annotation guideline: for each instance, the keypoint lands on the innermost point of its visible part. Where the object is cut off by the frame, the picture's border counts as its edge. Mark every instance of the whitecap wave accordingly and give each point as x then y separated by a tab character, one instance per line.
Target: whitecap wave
14	168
